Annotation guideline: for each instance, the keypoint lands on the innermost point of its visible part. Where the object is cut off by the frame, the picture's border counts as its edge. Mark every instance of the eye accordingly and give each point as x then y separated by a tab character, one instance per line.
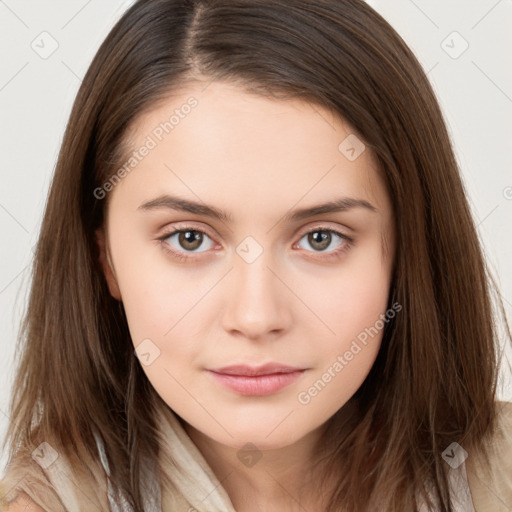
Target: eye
185	240
321	238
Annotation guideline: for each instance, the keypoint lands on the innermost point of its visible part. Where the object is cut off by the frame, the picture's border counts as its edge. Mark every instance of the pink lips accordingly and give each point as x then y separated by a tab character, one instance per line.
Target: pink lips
257	381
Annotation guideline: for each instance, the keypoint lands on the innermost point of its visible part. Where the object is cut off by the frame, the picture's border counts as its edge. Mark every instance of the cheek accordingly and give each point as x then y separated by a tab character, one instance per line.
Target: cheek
162	329
167	310
156	294
353	306
349	301
357	315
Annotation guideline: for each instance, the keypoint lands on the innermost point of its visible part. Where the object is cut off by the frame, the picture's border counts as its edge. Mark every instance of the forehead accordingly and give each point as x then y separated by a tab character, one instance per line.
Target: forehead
218	141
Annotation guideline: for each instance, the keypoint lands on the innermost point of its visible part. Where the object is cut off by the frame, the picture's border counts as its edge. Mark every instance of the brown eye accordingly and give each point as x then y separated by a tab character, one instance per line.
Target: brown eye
186	241
319	240
190	240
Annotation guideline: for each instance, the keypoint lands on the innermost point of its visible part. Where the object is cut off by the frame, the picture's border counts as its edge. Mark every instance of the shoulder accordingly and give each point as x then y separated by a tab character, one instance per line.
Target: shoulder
24	503
491	488
61	485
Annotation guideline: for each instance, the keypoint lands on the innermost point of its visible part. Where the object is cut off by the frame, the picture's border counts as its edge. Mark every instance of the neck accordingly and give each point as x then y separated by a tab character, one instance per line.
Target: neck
284	479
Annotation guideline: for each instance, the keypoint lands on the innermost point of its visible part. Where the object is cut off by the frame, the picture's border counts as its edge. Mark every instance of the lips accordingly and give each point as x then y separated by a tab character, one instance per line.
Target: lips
254	371
250	380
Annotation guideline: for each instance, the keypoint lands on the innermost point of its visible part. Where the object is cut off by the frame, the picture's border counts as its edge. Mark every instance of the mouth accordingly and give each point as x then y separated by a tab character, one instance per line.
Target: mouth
256	381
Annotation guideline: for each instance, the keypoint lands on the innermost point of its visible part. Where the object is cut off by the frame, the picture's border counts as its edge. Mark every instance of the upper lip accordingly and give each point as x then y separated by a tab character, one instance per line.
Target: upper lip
248	370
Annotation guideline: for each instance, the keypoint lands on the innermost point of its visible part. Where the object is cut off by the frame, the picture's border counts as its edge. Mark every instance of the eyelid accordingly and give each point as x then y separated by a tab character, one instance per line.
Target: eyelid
168	231
311	227
303	231
324	225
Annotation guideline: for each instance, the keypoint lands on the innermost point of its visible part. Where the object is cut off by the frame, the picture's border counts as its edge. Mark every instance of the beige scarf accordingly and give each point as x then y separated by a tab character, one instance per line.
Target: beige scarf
51	483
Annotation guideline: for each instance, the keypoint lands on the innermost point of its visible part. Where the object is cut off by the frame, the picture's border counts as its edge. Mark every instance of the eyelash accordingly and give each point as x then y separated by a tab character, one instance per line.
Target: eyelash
330	255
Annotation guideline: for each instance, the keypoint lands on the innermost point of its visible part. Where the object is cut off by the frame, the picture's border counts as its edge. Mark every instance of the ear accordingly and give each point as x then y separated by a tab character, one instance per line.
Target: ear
106	264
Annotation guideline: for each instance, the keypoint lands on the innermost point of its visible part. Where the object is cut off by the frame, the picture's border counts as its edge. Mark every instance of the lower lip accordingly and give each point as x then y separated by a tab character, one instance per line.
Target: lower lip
258	385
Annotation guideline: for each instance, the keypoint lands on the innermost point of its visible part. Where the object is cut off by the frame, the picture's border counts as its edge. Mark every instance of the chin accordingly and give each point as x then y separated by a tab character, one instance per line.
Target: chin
263	438
249	442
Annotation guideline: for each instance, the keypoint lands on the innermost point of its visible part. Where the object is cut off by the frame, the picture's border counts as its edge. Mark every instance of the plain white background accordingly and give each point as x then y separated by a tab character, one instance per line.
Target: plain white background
46	48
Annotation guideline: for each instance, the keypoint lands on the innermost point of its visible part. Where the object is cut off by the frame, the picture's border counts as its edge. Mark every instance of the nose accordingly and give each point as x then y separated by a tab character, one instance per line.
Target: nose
258	301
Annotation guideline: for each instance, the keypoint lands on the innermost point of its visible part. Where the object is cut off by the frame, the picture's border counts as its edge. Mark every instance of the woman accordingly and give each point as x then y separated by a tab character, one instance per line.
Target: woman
326	342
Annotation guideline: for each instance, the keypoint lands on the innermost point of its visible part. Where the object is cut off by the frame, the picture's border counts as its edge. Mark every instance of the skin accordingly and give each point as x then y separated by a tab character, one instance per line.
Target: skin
258	159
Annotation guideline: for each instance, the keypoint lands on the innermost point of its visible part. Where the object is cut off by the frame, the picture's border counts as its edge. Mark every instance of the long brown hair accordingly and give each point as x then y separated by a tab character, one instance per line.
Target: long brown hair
434	380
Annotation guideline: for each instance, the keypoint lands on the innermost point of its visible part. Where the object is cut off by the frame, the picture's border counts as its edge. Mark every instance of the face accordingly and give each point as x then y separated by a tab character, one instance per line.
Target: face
242	273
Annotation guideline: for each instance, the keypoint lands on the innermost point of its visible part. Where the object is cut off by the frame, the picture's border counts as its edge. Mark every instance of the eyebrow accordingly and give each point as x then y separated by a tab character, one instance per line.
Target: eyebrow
185	205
